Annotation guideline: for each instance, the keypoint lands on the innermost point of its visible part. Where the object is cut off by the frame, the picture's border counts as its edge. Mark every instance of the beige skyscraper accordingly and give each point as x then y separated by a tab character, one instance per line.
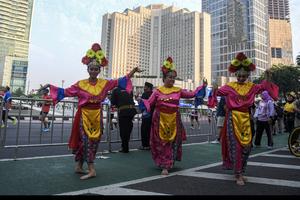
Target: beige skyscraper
280	32
146	36
15	25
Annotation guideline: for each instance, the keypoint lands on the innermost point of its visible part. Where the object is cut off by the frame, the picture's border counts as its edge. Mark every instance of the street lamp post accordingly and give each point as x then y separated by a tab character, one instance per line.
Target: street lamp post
62	83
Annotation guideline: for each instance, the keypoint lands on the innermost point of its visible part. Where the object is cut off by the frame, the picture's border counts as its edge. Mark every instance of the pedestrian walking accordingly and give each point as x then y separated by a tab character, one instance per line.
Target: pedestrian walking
146	118
45	110
263	114
278	127
289	112
123	101
7	98
297	110
221	111
194	117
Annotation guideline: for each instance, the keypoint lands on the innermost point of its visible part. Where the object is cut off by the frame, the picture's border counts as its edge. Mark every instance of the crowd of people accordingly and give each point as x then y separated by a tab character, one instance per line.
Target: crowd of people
162	129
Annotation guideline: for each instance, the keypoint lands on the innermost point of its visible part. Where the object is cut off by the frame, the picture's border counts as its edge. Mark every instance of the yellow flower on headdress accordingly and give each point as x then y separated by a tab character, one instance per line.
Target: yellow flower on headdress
90	53
167	64
100	54
235	62
172	67
246	62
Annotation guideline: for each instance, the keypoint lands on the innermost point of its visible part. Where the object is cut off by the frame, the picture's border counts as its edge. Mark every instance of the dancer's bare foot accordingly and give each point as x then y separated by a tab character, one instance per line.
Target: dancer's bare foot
164	172
245	179
88	176
239	180
80	171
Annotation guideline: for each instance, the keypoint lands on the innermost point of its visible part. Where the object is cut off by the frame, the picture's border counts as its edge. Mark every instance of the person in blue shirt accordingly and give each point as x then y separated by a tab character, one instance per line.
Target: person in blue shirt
7	107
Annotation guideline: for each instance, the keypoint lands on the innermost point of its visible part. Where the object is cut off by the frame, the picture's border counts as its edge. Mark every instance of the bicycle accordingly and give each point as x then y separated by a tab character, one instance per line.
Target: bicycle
294	142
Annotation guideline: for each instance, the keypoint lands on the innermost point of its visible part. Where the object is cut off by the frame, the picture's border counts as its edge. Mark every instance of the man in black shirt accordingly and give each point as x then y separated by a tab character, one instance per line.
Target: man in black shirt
126	111
146	118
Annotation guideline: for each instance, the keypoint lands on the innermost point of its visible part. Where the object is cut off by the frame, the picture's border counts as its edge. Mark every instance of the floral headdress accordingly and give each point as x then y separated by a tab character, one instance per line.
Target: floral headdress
168	66
241	61
95	54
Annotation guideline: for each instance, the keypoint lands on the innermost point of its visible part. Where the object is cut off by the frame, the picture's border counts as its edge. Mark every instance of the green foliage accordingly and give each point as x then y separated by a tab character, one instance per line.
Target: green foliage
18	92
34	96
298	60
286	77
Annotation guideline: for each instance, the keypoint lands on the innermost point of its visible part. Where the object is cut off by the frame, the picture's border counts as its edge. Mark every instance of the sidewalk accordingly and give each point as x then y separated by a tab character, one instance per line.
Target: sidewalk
48	176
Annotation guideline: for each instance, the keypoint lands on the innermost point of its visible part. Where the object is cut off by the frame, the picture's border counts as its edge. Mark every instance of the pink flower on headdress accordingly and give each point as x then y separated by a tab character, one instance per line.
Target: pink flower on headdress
252	67
232	69
241	56
164	70
96	47
85	60
170	59
104	62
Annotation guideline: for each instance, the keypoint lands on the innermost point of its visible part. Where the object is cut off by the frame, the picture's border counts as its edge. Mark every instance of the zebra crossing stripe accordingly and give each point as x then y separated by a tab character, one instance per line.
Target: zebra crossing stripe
267	181
260	164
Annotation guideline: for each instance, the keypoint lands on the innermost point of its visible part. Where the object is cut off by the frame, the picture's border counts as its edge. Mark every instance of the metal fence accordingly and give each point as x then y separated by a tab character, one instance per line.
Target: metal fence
28	132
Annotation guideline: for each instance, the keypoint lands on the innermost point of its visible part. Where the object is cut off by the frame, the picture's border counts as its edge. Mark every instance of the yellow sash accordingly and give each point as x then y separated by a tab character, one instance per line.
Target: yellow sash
242	127
91	122
167	126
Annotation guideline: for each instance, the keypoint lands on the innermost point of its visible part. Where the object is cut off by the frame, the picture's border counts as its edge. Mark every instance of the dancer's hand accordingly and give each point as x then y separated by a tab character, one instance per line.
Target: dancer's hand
44	87
205	82
136	69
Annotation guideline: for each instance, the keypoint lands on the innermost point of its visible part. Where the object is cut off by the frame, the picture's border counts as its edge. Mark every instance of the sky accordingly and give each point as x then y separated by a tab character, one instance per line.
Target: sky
63	30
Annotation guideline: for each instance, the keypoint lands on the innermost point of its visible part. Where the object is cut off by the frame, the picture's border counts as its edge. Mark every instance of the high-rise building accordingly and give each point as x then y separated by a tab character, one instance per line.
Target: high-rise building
281	49
238	26
146	36
15	26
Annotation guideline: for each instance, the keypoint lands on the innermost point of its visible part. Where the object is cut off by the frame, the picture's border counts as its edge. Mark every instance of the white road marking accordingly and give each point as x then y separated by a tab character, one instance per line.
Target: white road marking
117	191
114	187
261	164
268	181
281	156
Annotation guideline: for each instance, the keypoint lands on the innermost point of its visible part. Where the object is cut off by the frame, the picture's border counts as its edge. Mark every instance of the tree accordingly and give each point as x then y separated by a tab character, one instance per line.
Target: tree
18	92
286	77
298	60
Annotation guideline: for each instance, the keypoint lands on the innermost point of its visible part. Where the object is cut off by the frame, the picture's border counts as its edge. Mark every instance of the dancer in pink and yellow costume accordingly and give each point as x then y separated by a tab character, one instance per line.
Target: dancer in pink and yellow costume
88	123
167	131
236	135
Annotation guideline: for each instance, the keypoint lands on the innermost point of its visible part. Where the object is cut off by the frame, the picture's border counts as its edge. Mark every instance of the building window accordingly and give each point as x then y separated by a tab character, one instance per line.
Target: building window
276	52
